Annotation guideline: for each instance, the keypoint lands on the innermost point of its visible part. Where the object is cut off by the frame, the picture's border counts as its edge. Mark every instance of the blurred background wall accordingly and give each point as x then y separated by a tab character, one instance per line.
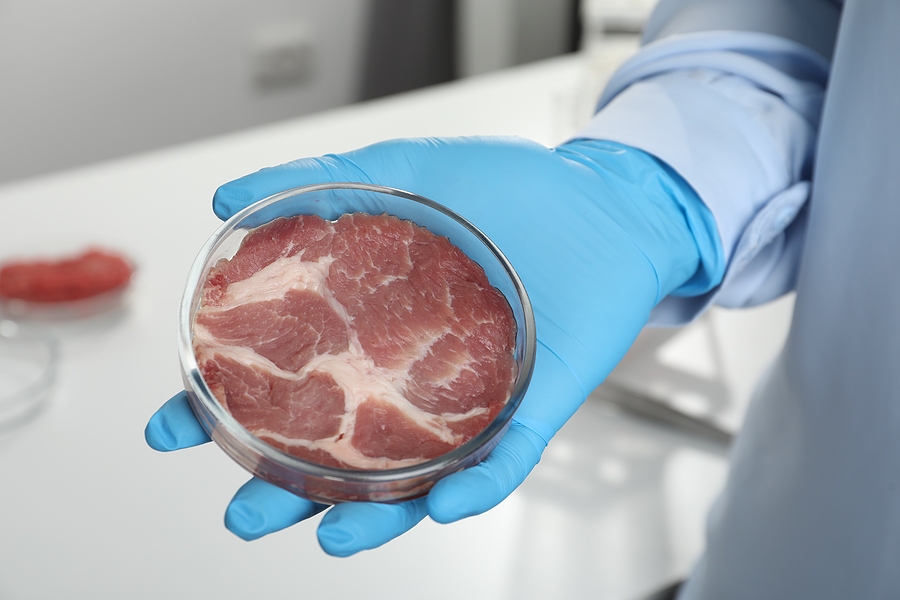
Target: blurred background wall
88	80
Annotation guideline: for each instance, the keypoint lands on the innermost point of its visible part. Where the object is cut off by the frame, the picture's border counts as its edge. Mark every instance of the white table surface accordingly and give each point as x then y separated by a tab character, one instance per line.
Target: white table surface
87	510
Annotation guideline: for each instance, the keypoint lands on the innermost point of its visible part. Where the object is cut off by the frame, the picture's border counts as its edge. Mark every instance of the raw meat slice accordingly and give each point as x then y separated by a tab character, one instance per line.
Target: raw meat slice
364	343
385	430
308	236
289	332
89	274
309	408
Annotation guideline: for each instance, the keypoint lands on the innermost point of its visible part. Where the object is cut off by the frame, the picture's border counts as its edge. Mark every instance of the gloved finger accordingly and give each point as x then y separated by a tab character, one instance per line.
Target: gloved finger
355	526
240	193
174	426
403	163
485	485
260	508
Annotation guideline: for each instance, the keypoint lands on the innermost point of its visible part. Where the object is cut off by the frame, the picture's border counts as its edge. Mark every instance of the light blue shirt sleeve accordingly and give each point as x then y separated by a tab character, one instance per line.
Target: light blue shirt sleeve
735	113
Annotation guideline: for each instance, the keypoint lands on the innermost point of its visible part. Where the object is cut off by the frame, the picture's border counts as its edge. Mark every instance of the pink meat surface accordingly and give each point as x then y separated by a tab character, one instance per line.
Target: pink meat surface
365	343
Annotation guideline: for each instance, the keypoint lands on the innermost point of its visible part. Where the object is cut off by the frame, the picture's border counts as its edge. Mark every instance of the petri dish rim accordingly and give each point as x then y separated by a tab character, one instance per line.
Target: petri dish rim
190	300
22	403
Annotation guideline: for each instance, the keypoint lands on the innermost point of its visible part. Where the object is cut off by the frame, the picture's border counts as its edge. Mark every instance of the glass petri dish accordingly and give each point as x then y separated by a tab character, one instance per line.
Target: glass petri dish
329	484
28	365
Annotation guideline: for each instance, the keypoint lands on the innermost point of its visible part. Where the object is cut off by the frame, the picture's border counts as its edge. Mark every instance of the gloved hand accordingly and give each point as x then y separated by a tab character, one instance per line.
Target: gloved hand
599	234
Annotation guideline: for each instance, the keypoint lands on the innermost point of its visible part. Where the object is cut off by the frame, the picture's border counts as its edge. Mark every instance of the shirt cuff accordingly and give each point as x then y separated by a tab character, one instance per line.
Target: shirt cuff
735	115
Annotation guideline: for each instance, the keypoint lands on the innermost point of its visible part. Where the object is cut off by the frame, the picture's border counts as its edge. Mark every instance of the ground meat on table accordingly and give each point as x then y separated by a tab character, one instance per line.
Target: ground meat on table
89	274
366	343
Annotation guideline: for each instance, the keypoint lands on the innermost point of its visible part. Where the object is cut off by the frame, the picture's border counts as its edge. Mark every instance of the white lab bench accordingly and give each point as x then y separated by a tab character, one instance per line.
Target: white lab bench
87	510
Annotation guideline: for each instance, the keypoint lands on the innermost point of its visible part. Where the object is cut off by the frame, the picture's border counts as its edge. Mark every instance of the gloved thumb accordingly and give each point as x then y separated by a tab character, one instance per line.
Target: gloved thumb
553	396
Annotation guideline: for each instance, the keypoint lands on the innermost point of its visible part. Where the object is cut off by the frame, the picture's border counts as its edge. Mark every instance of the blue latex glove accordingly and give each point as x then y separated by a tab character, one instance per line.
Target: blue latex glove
599	234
